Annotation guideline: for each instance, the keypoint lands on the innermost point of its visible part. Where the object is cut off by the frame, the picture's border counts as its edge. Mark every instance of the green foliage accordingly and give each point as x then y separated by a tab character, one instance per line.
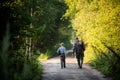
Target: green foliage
48	22
31	71
97	23
34	25
15	66
12	57
104	67
4	55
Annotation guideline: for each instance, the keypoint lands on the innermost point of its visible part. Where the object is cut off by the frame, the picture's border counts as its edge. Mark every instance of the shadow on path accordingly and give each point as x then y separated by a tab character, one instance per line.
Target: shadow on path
53	71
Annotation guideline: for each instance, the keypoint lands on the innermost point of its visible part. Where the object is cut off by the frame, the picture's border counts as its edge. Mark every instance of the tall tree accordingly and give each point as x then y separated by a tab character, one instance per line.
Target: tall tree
32	24
97	23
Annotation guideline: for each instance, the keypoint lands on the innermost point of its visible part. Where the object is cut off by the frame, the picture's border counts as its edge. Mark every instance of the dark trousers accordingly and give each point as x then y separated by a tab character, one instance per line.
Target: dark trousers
62	60
80	61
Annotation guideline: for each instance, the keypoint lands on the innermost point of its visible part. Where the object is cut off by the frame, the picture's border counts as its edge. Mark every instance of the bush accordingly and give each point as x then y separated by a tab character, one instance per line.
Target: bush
108	65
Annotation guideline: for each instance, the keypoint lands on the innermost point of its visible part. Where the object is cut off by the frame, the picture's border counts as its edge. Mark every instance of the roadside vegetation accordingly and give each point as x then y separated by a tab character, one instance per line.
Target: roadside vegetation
31	31
96	22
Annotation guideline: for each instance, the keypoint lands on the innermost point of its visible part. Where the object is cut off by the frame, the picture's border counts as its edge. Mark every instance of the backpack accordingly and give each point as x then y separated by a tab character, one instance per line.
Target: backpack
59	52
79	47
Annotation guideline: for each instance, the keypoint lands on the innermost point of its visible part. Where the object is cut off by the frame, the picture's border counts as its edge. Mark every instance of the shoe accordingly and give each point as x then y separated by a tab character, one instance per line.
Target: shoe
80	67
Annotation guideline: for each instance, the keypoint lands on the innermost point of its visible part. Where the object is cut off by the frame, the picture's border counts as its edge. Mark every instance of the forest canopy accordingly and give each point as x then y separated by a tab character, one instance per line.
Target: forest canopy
28	29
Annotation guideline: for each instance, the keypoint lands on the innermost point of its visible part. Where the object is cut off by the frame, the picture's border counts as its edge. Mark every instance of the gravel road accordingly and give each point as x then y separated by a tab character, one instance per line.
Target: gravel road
53	71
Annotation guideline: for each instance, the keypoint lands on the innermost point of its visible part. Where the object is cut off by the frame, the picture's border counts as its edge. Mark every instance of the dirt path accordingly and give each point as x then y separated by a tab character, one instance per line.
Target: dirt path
53	71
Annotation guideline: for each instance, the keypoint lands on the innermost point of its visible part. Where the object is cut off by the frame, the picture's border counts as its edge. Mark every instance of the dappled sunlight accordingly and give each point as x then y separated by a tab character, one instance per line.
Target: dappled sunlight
42	57
31	31
97	23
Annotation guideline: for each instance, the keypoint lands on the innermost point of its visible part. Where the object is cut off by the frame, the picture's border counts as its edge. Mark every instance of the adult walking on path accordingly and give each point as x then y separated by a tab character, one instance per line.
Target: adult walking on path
52	71
79	49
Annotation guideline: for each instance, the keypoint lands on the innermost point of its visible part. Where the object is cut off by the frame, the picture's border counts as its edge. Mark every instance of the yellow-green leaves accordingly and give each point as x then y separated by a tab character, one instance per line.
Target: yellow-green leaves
96	21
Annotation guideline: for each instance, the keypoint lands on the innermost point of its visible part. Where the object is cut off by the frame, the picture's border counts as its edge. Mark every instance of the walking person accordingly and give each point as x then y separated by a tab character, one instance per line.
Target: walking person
62	52
79	50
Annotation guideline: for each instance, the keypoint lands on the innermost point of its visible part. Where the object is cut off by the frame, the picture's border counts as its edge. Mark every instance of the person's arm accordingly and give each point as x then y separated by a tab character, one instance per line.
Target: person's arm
73	49
83	46
58	50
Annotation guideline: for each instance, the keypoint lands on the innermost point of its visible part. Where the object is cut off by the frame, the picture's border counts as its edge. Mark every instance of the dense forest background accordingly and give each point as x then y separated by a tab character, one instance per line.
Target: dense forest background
31	31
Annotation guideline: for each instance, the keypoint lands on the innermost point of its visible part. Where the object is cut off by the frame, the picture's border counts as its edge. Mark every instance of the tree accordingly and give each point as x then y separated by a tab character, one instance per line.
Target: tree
97	23
32	24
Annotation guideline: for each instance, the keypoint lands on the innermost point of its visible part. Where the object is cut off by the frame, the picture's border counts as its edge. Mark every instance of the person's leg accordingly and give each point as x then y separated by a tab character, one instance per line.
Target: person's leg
78	61
81	62
64	62
61	60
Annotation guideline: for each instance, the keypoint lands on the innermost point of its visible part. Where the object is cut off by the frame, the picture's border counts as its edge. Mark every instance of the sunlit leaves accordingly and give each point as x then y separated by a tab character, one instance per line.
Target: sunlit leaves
97	22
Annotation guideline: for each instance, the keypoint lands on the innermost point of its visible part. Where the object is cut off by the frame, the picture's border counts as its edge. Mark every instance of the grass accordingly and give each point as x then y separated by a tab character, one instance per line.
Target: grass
43	57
